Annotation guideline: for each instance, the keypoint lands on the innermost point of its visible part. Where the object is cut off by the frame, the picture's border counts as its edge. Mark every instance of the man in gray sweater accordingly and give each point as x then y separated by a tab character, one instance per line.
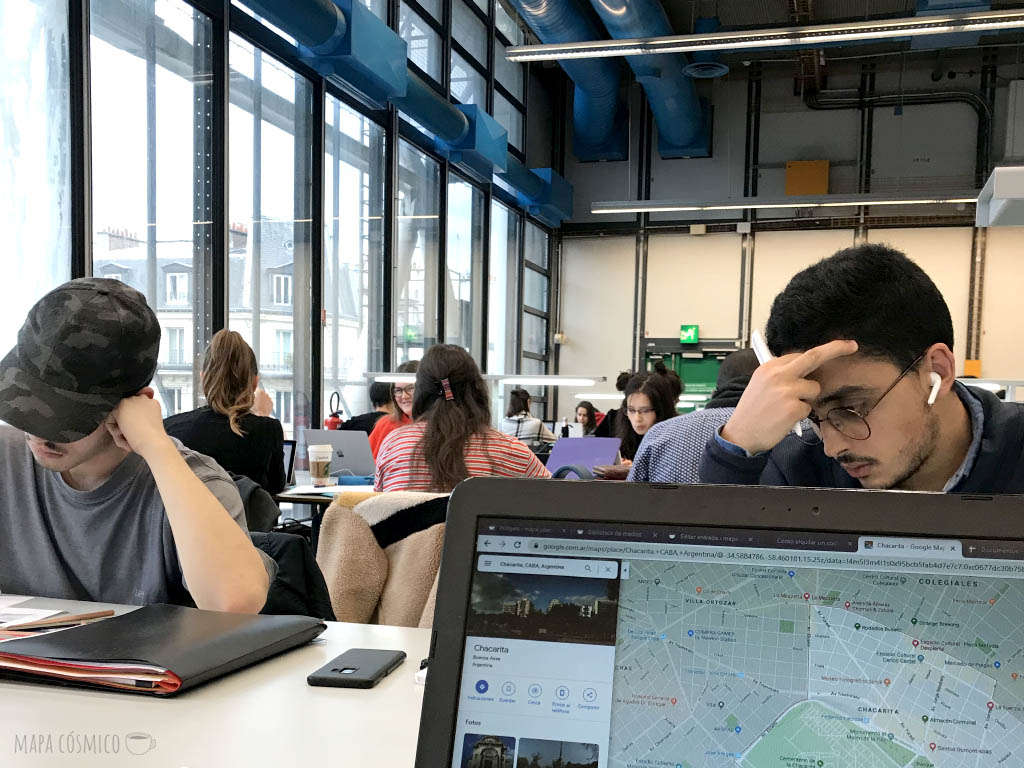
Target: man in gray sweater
97	502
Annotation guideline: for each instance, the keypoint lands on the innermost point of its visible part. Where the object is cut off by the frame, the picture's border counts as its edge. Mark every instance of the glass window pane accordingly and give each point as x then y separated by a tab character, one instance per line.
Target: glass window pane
433	7
536	245
510	118
470	31
353	255
533	367
535	290
503	290
508	73
535	334
424	42
150	201
416	262
505	21
464	257
270	209
468	85
35	180
379	8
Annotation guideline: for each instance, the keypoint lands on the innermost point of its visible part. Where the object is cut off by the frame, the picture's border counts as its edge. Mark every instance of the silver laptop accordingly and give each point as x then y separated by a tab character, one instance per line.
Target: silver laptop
352	454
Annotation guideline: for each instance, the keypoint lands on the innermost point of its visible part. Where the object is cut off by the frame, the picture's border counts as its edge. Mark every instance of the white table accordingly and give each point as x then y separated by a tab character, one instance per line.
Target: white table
265	715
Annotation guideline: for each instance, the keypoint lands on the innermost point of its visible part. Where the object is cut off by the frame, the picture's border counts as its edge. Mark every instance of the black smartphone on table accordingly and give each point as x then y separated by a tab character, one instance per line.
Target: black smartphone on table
357	668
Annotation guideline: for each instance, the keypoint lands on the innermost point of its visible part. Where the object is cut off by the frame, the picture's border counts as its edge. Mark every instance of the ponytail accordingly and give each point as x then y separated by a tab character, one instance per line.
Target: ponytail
453	403
228	372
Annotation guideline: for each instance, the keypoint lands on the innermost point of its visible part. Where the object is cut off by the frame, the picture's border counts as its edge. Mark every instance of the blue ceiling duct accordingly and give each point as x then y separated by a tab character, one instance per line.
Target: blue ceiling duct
941	7
599	112
684	124
345	42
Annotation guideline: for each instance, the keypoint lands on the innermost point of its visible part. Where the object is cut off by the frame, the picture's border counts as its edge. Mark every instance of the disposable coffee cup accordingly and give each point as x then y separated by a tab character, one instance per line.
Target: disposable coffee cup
320	464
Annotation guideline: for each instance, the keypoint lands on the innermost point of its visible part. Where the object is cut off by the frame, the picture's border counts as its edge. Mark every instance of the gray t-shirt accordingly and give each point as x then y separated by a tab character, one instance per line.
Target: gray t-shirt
112	544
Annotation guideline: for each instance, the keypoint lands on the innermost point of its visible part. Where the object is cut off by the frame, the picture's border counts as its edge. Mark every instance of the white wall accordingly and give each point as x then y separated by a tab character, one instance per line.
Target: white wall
598	279
945	254
1002	347
780	255
693	279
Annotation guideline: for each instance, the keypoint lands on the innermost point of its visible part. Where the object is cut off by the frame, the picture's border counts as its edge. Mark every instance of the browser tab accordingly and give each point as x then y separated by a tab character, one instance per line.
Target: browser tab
942	549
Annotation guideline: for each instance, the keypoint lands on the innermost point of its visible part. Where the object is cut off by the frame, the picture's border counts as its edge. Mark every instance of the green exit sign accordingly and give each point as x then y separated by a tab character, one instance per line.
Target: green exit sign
689	334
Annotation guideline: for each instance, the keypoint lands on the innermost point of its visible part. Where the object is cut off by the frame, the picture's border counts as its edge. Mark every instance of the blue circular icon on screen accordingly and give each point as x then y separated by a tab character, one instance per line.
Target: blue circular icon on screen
738	729
690	633
481	686
562	692
920	658
792	574
997	665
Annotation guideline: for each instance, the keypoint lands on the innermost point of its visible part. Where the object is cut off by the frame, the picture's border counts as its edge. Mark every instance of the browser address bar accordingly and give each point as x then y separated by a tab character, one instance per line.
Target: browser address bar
549	566
771	557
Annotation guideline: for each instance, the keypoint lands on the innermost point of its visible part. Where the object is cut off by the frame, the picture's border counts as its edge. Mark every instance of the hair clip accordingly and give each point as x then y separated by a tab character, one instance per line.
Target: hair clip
446	388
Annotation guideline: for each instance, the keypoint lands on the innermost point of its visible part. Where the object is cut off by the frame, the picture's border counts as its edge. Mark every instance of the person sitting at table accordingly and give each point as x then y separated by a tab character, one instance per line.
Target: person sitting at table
401	408
99	503
380	400
586	416
235	427
520	424
648	401
451	438
609	425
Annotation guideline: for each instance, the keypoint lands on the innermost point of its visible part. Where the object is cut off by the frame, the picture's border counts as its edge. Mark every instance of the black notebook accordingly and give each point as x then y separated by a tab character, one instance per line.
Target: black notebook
158	649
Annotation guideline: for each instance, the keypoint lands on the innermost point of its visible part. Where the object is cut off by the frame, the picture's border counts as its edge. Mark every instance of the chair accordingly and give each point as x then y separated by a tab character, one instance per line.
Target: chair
261	513
380	555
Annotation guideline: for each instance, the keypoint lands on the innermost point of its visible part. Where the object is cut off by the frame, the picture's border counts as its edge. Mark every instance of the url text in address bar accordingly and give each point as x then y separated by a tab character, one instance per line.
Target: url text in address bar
770	557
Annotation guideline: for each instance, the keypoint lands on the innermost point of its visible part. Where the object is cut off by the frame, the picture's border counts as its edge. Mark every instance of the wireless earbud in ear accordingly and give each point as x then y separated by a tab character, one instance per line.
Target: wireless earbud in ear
936	384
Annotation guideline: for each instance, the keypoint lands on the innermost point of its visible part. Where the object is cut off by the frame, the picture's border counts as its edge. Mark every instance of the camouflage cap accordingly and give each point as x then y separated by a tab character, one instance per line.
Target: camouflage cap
84	346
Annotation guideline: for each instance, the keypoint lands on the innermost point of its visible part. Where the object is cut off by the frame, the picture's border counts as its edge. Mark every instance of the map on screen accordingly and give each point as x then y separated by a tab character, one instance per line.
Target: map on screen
767	667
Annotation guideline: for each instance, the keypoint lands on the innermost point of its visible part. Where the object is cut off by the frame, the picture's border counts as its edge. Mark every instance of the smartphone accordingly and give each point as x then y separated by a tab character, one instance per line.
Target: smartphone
357	668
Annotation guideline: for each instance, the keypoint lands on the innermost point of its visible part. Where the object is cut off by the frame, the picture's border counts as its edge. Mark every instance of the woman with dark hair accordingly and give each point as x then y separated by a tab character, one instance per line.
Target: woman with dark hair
675	383
521	424
648	401
586	416
401	408
451	438
234	428
609	426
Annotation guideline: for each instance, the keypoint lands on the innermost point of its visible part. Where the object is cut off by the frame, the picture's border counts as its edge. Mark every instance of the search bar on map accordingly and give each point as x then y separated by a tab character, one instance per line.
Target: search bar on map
549	566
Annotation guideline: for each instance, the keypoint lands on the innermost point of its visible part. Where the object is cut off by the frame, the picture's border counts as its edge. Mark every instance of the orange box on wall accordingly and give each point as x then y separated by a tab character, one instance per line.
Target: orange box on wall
807	177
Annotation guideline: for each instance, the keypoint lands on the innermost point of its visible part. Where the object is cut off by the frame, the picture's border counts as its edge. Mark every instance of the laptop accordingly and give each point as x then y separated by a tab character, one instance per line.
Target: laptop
352	454
605	625
289	462
587	452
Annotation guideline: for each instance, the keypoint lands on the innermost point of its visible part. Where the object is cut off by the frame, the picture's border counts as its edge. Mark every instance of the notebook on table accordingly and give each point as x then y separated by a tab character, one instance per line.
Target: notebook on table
586	452
158	649
629	626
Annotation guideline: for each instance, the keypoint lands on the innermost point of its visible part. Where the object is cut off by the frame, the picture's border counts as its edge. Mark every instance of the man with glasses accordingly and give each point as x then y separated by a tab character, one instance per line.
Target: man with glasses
865	365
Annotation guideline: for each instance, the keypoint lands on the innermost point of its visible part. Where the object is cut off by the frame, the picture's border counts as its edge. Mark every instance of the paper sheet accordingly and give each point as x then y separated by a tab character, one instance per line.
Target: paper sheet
10	616
323	490
6	601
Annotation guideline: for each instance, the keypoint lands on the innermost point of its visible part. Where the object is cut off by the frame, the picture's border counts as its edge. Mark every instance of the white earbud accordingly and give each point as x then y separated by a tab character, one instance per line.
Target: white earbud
936	384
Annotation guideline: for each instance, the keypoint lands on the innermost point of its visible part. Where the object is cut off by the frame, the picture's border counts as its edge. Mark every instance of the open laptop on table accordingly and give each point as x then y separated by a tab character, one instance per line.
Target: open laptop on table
289	463
586	452
352	454
627	625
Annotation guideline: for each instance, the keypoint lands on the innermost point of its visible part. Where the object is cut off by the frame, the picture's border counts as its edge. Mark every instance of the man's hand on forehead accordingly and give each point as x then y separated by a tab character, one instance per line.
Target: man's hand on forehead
779	395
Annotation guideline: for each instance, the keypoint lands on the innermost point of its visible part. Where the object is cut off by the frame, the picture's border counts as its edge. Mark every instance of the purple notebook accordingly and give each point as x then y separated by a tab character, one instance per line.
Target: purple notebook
586	452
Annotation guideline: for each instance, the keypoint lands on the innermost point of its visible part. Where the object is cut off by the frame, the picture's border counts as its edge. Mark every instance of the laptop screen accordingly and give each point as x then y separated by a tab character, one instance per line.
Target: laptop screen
289	462
649	646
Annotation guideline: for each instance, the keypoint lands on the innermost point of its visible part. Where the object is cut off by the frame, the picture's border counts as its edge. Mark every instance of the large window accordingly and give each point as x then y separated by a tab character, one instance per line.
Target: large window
536	279
271	211
416	257
151	71
463	300
353	339
503	289
423	40
35	183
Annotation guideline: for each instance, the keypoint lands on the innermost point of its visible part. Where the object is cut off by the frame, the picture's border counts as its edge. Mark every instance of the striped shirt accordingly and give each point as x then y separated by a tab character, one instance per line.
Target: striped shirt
402	467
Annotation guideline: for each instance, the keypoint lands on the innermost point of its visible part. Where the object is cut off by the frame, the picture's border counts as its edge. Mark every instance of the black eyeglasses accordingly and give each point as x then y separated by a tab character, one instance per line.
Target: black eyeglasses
409	390
852	423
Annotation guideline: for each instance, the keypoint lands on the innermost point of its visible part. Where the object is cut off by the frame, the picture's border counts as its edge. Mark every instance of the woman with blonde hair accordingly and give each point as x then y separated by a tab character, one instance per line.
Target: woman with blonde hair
234	428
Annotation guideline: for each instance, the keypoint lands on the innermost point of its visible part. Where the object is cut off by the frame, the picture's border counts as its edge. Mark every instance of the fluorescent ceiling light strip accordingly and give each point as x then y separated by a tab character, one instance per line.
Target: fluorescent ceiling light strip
546	381
656	206
396	378
773	38
693	398
598	396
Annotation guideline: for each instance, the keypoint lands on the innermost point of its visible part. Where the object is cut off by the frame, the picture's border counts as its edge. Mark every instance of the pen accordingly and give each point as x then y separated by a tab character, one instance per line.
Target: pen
763	355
